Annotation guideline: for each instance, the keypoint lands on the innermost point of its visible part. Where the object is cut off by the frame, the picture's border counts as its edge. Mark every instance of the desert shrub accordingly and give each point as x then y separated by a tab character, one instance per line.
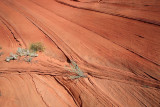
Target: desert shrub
0	47
38	46
28	59
12	57
22	53
77	70
26	52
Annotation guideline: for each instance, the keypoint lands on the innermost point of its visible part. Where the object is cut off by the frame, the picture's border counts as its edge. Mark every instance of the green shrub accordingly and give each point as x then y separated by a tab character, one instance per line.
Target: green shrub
38	46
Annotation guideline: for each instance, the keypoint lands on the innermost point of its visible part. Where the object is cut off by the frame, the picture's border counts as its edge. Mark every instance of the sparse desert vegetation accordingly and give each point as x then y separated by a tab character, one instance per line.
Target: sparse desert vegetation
79	53
12	57
27	54
77	70
37	47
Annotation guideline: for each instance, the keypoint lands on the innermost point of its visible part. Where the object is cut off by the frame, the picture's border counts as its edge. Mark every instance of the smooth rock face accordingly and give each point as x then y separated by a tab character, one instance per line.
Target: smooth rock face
116	43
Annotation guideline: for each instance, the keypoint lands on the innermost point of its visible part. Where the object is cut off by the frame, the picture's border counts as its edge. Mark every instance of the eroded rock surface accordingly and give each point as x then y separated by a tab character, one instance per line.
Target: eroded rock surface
116	43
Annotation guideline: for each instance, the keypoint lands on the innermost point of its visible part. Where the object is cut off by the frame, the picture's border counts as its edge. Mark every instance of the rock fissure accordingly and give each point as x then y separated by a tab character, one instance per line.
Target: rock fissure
38	91
12	33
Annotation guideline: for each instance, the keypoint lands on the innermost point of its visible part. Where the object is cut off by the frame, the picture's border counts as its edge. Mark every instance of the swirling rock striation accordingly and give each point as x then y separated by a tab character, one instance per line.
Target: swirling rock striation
114	42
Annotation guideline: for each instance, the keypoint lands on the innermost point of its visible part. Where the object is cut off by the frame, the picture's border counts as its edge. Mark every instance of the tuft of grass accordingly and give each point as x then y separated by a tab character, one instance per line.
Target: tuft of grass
37	47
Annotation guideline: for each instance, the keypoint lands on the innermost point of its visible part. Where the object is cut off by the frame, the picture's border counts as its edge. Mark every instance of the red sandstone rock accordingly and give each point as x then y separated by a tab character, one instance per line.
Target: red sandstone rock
114	42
